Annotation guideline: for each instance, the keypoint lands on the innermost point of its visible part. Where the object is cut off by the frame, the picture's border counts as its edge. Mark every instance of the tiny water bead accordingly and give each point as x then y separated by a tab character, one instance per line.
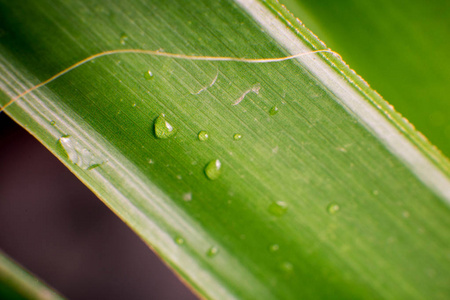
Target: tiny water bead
333	208
163	129
278	208
179	240
213	169
274	248
212	251
237	136
123	39
53	123
203	136
148	75
287	267
273	110
187	197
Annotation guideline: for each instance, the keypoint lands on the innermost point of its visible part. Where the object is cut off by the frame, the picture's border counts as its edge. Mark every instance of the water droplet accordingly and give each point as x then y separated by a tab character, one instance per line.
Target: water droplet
148	75
187	197
78	154
278	208
237	136
274	248
287	267
163	129
213	169
273	110
203	136
52	123
212	251
179	240
333	208
150	161
123	38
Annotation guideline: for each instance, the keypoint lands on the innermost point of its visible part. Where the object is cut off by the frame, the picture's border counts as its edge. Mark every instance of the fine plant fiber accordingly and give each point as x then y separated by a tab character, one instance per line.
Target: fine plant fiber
307	185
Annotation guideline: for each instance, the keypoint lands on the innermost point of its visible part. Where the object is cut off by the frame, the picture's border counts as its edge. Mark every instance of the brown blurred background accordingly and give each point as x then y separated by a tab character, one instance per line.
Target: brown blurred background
58	229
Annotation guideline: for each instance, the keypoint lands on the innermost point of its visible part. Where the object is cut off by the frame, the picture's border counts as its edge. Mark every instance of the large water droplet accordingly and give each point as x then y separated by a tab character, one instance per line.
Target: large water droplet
148	75
273	110
163	129
203	136
237	136
278	208
212	251
333	208
213	169
78	154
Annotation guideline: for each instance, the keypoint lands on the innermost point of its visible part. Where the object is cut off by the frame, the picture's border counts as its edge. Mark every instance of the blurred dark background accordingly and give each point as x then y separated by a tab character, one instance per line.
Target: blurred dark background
58	229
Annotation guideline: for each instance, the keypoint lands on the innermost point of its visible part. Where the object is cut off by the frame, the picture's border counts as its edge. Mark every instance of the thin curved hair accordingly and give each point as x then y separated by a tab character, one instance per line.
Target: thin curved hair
163	54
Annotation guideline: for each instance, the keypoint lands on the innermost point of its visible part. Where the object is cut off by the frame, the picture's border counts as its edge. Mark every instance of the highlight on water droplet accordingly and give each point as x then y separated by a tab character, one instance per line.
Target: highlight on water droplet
333	208
213	169
203	136
179	240
123	38
163	129
212	251
53	123
78	154
273	110
274	248
148	75
237	136
278	208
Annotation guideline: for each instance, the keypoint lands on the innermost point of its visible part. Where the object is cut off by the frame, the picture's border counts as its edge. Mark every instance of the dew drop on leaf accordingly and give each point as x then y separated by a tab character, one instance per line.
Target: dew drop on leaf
148	75
203	136
278	208
53	123
187	197
78	154
273	110
237	136
274	248
163	129
287	267
333	208
213	169
212	251
179	240
123	39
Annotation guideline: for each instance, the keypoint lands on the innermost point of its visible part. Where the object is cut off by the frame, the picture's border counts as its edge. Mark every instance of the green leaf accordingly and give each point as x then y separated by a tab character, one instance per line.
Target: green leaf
17	283
399	47
330	195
